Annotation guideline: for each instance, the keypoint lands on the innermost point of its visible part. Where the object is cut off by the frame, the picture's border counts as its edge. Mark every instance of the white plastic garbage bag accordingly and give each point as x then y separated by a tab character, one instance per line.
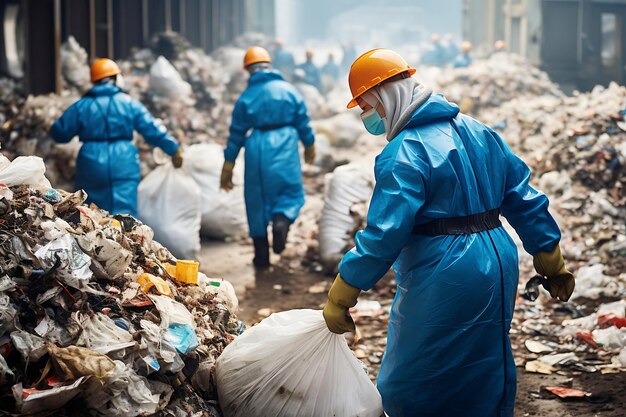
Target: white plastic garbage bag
348	190
27	170
169	202
73	267
342	130
74	65
223	213
291	365
166	81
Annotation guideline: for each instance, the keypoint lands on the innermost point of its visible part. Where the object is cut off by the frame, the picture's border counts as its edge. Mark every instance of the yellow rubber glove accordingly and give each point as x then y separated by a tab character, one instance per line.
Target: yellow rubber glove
341	297
309	154
226	179
552	266
177	158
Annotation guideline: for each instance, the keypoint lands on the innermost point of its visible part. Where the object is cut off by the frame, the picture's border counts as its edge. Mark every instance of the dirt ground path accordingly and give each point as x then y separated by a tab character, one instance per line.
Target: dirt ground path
282	288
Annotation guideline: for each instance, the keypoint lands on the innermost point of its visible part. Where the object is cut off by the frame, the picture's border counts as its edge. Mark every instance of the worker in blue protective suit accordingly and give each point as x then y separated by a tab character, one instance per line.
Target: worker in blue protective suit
331	68
312	73
104	119
441	184
329	74
268	119
451	48
283	60
464	59
436	55
349	55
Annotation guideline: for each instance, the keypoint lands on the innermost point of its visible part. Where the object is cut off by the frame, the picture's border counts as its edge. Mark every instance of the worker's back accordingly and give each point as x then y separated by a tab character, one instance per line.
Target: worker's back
105	113
270	101
466	169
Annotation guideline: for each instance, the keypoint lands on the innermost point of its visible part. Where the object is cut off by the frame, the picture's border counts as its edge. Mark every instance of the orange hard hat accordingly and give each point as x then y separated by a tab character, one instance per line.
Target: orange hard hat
372	68
103	68
254	55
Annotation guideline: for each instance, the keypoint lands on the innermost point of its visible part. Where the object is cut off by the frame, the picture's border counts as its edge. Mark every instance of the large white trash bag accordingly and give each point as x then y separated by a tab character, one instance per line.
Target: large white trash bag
223	212
348	190
169	202
165	80
291	365
27	170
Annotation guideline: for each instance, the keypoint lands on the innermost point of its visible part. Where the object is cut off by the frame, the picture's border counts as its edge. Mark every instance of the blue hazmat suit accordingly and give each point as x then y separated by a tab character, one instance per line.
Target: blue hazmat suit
275	113
284	62
312	74
331	69
462	60
452	51
436	56
107	167
448	352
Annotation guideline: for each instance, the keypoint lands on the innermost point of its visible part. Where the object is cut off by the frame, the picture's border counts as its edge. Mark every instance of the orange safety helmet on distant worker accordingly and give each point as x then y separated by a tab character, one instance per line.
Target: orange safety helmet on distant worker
103	68
254	55
372	68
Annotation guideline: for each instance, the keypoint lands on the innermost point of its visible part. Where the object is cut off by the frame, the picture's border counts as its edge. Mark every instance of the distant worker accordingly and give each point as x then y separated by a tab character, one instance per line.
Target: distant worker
329	74
283	60
268	119
451	48
464	59
499	46
104	119
442	183
436	55
311	71
349	55
331	68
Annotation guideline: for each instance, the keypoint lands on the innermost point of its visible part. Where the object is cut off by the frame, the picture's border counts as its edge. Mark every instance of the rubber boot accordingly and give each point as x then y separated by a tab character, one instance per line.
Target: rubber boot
280	230
261	253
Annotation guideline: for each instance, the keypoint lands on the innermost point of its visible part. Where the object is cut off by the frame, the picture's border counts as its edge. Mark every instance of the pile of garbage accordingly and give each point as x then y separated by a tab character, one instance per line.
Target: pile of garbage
576	147
492	82
95	314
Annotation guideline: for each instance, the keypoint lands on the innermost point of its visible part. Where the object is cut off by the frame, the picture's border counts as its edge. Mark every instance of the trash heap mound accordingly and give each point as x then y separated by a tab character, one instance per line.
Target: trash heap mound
576	147
92	316
491	82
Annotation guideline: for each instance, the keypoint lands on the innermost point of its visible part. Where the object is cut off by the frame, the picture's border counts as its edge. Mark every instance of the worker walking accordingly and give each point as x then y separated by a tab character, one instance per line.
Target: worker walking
330	74
312	74
464	59
442	182
104	119
268	119
283	60
436	55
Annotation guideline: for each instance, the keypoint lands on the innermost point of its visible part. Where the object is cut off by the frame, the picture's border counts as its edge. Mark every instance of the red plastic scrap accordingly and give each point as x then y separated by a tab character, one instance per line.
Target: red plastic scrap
610	319
586	336
563	392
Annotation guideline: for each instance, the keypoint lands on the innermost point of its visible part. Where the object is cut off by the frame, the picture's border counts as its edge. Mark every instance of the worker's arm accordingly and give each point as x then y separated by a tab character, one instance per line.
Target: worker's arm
398	196
153	132
302	121
66	126
526	208
239	127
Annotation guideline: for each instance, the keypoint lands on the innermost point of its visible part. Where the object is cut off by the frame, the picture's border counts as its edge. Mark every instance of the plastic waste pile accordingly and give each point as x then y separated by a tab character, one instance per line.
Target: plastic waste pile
491	82
26	126
95	314
576	147
74	66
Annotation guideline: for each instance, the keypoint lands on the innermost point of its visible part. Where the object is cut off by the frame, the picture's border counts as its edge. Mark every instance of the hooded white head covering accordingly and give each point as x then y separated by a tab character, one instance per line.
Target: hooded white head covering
400	99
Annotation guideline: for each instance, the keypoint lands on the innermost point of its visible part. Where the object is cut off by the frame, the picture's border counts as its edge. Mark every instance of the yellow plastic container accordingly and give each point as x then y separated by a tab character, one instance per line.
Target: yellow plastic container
148	281
187	271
